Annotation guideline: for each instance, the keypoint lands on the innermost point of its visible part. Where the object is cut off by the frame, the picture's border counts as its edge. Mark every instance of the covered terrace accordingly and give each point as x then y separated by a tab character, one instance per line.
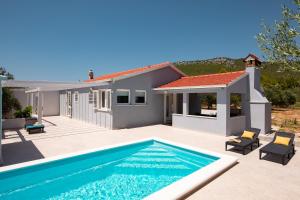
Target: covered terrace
217	103
41	94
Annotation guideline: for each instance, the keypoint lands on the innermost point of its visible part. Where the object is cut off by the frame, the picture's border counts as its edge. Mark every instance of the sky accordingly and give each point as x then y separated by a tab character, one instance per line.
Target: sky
60	40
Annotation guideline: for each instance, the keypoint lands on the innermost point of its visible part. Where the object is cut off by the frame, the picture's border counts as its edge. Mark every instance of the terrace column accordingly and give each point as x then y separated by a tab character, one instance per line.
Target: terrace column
185	102
223	110
174	103
40	107
165	107
246	109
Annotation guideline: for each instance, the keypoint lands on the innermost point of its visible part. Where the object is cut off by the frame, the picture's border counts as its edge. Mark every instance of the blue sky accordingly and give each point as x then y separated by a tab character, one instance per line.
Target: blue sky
62	39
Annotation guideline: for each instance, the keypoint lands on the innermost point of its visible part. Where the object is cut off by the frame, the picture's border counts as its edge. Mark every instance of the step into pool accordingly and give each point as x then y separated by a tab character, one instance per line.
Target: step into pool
131	171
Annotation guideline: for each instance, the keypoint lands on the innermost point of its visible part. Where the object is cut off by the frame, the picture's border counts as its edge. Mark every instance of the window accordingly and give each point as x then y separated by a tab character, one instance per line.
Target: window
236	105
140	97
108	98
123	96
91	96
76	97
179	103
95	98
203	104
105	97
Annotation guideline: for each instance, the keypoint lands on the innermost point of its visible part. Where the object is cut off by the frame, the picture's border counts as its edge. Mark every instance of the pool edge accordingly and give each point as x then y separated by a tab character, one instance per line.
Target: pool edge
185	186
175	190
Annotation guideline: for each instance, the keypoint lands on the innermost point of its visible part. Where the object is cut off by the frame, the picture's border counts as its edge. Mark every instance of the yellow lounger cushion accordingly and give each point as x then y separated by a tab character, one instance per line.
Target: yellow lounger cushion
282	140
248	134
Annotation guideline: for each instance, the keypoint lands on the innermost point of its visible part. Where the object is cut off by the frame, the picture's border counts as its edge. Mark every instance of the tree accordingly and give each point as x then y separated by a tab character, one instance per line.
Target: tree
280	42
279	97
209	100
3	72
9	102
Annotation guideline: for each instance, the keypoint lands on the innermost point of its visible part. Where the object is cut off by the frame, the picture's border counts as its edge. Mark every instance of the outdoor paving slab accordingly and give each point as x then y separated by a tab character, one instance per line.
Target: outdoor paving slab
251	178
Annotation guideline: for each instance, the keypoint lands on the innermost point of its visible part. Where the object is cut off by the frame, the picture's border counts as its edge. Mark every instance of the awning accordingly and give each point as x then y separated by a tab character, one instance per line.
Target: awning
49	86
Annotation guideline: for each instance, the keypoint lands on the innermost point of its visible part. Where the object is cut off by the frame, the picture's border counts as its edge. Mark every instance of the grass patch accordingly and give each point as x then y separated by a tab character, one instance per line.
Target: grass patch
287	119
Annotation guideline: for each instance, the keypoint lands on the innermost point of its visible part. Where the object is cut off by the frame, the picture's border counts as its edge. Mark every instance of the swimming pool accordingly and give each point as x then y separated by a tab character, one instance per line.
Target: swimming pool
150	168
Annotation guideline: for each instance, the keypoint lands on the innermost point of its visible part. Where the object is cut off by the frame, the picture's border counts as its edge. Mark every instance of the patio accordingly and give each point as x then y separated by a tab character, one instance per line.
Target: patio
251	178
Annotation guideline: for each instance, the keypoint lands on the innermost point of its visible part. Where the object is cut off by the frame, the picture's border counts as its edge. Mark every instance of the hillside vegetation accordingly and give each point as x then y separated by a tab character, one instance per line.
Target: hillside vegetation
283	85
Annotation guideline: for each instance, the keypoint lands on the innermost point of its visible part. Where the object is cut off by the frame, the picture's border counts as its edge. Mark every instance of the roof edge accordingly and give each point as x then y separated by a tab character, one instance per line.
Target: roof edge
164	65
203	75
191	87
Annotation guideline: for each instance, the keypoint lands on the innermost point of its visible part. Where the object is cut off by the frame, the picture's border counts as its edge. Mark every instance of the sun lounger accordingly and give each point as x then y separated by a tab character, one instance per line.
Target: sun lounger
243	143
35	128
282	150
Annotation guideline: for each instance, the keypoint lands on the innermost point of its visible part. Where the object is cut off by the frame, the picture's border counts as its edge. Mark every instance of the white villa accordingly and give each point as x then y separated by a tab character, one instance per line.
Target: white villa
156	94
126	108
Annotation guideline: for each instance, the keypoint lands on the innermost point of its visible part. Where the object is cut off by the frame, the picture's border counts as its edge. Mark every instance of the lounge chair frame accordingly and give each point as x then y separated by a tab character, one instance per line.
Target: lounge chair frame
245	143
278	149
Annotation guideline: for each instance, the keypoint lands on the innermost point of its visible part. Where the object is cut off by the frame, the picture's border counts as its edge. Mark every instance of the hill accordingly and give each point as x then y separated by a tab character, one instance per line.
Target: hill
270	75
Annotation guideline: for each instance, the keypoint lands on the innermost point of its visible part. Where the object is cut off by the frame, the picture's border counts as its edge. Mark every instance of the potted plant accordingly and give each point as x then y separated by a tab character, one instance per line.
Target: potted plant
27	114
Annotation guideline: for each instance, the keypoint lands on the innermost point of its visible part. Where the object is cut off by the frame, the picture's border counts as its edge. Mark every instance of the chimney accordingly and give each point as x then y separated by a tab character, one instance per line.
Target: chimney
91	74
252	61
252	64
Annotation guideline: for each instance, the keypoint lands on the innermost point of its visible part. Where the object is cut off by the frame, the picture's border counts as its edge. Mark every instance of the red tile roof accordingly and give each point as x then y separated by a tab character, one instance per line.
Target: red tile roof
204	80
129	72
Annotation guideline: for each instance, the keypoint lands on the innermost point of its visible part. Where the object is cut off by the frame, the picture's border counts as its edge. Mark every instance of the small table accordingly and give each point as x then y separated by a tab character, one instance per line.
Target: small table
35	128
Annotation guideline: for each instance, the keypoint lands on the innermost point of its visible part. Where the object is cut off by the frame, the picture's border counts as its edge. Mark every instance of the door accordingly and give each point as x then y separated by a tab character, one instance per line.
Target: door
69	104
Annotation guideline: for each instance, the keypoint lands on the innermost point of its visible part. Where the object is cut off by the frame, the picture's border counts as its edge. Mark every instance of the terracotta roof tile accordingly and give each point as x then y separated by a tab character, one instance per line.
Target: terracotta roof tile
128	72
205	80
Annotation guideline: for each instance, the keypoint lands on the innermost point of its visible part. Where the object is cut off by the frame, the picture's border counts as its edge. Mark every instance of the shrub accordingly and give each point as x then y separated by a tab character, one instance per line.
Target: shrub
26	113
10	103
18	114
279	97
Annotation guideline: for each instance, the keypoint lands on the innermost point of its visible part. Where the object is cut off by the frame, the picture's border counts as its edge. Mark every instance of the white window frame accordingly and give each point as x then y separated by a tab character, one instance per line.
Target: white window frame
123	90
76	93
107	93
91	94
145	92
95	103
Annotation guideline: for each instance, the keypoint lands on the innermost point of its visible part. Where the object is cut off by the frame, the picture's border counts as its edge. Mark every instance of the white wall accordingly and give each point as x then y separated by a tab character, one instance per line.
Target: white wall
132	115
197	123
51	103
83	110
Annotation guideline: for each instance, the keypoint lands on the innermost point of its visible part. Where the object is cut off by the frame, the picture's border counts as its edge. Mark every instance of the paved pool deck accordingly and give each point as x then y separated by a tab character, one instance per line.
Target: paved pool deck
251	178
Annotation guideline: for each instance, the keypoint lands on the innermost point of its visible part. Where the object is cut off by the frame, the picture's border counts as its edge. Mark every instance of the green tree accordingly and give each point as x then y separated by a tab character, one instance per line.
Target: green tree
9	102
279	97
3	72
209	100
280	41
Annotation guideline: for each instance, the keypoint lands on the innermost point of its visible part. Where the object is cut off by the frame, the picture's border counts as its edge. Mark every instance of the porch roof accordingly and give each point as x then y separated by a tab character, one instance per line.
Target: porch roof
34	86
204	81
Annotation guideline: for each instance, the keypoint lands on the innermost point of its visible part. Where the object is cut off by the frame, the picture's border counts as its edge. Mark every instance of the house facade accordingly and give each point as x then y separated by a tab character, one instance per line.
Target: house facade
123	100
162	94
224	103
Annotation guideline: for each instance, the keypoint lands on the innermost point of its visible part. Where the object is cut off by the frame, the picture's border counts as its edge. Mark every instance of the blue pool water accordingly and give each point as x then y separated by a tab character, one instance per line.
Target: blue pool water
127	172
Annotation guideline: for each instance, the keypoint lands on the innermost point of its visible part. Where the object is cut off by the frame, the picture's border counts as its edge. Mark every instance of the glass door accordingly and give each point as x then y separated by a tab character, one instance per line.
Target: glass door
69	104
